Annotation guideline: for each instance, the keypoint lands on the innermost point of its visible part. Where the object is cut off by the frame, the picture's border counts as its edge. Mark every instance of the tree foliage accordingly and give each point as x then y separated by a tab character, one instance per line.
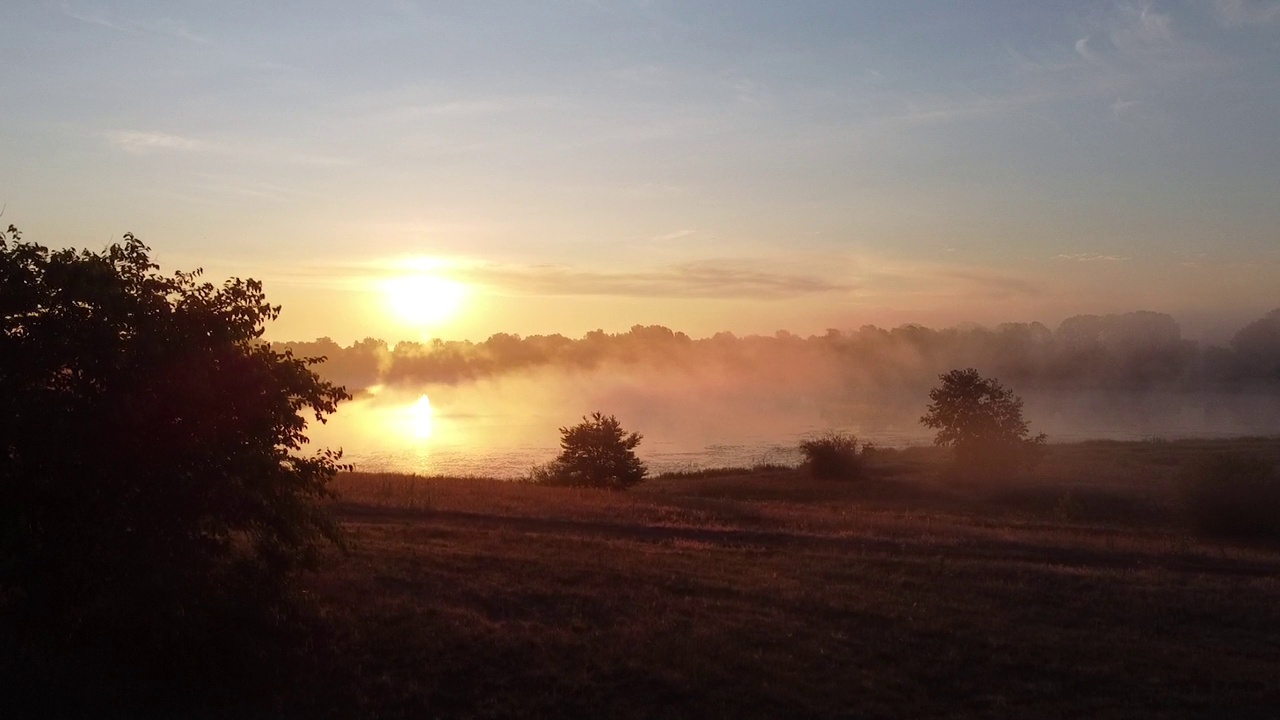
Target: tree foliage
835	456
982	420
596	452
1257	347
152	493
1130	351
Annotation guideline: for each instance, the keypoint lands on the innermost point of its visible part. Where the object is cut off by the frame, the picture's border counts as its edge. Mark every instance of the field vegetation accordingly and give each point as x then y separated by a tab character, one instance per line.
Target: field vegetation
160	521
1084	590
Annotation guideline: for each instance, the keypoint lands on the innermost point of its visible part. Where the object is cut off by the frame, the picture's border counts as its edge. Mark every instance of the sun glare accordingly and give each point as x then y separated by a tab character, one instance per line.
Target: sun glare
422	417
424	300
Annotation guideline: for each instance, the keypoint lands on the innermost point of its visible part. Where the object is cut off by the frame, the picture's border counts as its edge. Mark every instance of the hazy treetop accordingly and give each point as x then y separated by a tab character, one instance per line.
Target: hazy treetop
1139	350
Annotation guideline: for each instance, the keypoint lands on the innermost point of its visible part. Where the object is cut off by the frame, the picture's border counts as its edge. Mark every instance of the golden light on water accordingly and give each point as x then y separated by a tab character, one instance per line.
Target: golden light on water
422	418
422	300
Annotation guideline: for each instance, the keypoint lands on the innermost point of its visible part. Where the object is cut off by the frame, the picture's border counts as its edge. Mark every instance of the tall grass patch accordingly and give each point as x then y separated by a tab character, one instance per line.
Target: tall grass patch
835	456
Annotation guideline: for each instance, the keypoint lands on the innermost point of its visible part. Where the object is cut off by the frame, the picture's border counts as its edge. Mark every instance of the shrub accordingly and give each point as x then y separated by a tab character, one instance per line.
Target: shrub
542	474
835	456
982	420
596	452
153	505
1233	495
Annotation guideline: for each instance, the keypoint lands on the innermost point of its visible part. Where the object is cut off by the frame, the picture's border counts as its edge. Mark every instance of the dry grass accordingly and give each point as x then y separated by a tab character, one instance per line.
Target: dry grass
1075	593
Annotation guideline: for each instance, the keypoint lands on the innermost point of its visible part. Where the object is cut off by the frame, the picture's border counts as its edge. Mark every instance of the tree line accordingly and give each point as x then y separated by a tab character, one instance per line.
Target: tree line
1130	351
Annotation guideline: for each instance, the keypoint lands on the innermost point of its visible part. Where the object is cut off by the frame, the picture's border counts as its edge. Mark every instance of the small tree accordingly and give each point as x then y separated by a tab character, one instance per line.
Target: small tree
152	499
983	421
596	452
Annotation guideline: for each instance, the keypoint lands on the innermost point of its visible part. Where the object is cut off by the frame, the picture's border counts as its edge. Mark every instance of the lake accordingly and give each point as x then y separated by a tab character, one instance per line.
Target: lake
491	431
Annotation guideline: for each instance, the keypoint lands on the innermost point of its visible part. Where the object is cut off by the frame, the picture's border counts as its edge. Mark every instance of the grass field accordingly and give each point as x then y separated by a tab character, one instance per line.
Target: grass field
1075	593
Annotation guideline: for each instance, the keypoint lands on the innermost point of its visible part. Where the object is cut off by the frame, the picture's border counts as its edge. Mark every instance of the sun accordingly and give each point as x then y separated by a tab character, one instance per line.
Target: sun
423	300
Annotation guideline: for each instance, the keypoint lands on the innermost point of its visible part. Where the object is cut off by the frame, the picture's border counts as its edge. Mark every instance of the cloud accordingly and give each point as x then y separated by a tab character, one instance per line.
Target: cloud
1121	107
707	279
1089	257
941	284
1239	13
1141	27
970	107
413	100
1133	33
703	279
139	142
674	235
992	284
1084	51
1134	51
143	142
464	108
223	184
167	28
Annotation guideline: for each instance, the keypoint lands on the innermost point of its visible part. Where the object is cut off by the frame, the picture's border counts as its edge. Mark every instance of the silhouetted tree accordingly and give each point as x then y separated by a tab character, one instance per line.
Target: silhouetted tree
1257	347
983	421
596	452
1132	352
152	504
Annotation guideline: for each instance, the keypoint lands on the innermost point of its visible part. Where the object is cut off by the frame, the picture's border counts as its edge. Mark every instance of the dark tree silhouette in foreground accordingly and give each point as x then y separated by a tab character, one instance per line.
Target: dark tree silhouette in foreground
983	421
153	507
596	452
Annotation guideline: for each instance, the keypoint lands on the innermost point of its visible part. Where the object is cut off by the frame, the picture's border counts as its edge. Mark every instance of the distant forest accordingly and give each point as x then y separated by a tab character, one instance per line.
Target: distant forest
1129	352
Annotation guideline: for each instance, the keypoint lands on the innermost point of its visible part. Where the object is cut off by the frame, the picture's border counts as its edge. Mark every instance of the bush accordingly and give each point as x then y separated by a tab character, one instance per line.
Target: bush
982	420
596	452
835	456
153	504
1233	495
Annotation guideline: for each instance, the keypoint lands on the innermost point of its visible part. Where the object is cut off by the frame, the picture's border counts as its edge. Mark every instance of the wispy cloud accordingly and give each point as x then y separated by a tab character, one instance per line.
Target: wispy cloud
1138	35
673	235
144	142
1238	13
244	187
737	279
1138	56
140	142
1089	257
1146	25
1086	52
703	279
461	108
993	284
166	27
886	278
1122	107
970	107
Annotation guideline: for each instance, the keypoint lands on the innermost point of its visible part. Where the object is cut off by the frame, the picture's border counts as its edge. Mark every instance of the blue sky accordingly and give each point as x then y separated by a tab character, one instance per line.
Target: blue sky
742	166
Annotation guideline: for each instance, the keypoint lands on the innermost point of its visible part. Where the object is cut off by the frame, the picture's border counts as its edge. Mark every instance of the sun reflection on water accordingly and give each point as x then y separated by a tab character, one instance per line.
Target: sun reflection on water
422	418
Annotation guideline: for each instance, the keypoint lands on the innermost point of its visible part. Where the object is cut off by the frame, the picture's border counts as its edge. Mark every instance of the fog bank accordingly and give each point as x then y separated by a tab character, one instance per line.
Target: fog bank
727	399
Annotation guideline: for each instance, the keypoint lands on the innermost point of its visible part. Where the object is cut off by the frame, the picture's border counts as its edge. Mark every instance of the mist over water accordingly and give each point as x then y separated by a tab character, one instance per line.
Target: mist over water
500	428
495	408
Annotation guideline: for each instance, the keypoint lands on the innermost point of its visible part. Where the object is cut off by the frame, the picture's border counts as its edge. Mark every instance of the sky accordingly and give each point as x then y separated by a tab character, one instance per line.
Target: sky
409	170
